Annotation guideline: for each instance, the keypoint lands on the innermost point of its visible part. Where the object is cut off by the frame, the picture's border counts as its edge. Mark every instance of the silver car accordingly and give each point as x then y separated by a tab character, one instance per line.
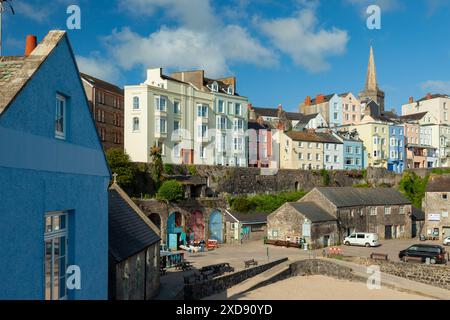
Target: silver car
446	241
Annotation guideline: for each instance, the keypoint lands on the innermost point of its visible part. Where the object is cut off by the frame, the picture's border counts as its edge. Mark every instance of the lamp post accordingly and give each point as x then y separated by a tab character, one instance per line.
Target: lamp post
3	4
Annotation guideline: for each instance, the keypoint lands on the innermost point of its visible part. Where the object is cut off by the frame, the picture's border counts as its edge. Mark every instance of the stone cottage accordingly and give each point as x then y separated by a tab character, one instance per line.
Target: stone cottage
134	241
303	220
436	205
240	227
384	211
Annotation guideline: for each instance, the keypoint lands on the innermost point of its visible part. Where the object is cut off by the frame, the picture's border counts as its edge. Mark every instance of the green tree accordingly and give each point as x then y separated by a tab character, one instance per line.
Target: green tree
170	191
120	163
413	187
157	167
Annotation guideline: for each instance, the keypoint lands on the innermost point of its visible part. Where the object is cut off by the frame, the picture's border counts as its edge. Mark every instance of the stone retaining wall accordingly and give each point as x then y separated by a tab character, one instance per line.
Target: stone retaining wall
312	267
203	289
435	275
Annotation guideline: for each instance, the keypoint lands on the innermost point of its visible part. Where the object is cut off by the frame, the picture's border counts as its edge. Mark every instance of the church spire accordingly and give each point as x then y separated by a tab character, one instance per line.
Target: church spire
371	78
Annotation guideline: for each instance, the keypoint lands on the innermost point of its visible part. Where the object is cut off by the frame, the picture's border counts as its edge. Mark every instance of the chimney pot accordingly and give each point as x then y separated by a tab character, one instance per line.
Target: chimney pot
429	96
31	44
320	98
411	100
308	101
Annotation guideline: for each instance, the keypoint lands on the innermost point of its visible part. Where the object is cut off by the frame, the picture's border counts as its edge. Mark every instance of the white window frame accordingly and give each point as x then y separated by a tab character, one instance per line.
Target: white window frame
53	235
61	99
134	124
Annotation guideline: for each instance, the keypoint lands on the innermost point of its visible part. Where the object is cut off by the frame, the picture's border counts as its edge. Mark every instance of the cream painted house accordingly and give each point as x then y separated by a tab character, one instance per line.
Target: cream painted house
182	115
438	106
310	150
374	132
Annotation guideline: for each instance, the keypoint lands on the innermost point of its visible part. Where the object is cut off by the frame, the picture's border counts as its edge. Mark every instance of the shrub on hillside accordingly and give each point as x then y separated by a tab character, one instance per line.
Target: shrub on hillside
171	191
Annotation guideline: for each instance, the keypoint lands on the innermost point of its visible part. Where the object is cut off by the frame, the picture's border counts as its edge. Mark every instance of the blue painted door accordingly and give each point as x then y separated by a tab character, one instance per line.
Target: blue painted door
216	226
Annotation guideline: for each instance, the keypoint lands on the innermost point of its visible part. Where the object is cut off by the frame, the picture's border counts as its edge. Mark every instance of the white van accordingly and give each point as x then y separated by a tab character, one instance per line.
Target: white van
362	239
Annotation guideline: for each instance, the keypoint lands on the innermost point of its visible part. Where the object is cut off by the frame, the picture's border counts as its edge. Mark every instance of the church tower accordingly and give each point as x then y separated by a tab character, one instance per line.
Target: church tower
372	92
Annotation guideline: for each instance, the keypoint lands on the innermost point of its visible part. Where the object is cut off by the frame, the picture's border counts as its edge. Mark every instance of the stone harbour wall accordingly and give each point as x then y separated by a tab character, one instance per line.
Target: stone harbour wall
435	275
203	289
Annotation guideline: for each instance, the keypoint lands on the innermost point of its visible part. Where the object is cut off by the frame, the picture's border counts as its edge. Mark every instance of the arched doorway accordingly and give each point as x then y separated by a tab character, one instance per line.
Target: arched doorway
174	230
196	227
216	226
156	219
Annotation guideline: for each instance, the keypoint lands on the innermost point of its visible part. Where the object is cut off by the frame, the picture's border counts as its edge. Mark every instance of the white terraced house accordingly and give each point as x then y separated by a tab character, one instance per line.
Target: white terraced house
193	119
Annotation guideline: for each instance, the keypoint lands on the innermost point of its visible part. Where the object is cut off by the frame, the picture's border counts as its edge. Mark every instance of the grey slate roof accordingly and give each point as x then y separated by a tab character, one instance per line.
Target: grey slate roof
414	116
249	217
303	118
267	112
439	183
312	211
102	84
352	197
129	233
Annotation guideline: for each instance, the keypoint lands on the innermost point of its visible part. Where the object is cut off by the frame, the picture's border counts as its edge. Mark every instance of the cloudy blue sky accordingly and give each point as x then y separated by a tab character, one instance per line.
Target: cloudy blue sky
280	51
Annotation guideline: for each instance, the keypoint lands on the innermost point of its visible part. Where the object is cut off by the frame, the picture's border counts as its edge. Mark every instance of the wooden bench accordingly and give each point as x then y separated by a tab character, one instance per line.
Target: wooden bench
379	256
412	259
251	262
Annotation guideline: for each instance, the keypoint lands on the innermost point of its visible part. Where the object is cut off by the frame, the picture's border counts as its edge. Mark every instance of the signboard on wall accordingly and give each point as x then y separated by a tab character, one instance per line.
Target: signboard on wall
434	217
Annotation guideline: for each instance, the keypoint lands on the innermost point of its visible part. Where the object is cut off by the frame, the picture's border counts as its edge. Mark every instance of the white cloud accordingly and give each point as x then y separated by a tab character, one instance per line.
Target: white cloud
184	48
194	14
437	86
197	39
98	67
304	41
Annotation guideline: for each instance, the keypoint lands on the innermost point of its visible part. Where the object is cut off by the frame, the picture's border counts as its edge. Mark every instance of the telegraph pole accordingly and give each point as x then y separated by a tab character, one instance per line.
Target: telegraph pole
2	9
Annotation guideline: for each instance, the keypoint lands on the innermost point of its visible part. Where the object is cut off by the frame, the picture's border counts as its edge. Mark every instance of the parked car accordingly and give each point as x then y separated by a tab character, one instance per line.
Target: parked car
362	239
446	241
435	253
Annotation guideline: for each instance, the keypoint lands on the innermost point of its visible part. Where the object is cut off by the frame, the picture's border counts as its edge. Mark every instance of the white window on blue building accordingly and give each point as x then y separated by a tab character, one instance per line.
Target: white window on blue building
55	259
60	118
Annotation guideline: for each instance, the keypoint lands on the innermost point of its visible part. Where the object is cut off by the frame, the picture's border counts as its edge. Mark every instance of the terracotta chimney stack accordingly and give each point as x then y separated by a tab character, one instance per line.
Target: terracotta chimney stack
308	101
320	98
429	96
411	100
31	44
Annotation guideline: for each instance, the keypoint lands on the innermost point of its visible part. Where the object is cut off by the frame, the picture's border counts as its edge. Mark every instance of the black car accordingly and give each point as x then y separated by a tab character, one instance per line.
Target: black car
434	252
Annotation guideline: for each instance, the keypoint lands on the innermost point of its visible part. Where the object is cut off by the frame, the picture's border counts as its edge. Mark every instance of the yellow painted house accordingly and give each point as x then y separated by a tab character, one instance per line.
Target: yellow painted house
374	132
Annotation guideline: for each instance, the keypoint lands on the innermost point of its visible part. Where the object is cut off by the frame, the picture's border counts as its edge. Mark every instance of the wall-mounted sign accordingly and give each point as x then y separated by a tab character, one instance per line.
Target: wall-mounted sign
434	217
444	214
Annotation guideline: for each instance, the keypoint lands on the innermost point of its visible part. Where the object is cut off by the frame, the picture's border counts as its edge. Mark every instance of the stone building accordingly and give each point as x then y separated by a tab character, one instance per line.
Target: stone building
384	211
134	243
436	205
242	227
303	220
106	104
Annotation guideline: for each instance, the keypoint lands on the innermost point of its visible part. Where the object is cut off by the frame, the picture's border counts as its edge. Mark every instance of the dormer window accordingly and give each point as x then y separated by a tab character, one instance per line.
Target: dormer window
215	87
230	90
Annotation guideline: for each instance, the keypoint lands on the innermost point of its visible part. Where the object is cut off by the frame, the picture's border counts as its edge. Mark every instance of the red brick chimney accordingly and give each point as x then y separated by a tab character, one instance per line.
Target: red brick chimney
411	100
308	101
429	96
250	106
31	44
320	98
